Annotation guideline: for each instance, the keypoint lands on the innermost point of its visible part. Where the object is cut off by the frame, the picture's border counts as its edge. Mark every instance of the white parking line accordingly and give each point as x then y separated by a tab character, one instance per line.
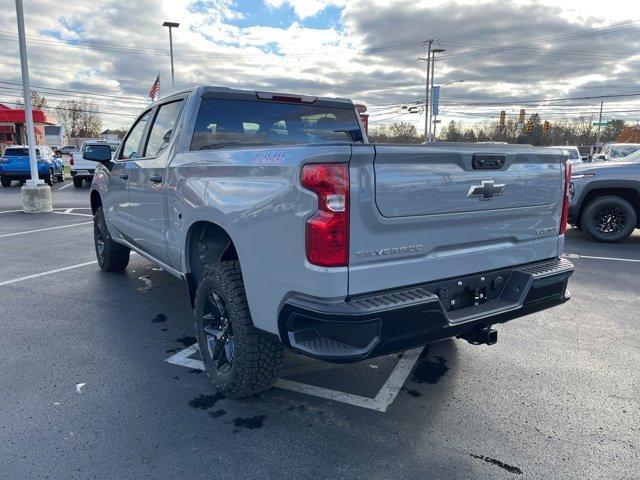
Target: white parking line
61	208
73	213
49	272
380	402
66	186
592	257
44	229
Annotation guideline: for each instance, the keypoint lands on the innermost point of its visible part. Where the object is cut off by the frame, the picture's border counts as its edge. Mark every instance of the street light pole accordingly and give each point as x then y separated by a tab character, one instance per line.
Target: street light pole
171	25
36	196
28	112
435	117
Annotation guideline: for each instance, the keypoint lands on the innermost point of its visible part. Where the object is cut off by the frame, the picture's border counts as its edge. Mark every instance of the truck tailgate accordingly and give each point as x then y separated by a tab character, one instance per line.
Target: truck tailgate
422	213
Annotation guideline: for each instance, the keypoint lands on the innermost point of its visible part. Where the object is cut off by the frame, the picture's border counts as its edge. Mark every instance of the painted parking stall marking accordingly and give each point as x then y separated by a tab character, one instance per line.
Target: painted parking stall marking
380	402
594	257
44	229
49	272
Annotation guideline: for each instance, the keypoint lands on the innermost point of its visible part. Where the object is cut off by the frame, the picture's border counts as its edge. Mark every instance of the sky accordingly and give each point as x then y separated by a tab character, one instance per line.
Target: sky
543	56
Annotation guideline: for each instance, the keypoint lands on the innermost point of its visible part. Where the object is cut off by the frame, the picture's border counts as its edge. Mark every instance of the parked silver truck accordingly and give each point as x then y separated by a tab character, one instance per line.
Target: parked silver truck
604	198
291	231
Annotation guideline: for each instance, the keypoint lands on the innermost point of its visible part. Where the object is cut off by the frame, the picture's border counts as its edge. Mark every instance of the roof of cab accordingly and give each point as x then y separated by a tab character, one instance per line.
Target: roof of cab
211	91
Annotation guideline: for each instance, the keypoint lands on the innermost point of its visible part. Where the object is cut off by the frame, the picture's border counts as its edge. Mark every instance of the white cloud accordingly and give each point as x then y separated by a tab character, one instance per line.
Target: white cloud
370	56
305	8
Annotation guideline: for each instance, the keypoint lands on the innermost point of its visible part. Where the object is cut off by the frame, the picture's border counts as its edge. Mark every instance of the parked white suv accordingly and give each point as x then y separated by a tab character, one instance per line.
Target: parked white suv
82	169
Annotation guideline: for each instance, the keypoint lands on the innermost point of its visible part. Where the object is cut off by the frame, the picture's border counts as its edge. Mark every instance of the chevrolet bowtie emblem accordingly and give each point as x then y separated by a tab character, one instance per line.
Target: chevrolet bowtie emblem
486	191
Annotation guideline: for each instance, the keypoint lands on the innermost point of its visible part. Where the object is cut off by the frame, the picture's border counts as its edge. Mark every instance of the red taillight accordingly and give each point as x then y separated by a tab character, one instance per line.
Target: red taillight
565	204
71	160
327	231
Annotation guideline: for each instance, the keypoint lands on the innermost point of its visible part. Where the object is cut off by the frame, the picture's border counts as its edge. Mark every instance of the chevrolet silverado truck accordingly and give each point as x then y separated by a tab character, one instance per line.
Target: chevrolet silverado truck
604	198
291	231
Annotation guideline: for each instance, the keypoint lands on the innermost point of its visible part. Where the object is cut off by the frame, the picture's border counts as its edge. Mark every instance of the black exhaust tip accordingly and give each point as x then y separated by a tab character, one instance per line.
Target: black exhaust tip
481	336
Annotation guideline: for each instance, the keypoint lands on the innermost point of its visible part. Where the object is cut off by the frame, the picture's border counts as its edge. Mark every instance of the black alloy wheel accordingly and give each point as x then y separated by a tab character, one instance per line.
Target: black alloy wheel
218	332
610	220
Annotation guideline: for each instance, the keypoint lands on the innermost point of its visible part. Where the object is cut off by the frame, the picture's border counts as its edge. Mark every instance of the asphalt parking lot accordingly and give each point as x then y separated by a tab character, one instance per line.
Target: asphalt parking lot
100	380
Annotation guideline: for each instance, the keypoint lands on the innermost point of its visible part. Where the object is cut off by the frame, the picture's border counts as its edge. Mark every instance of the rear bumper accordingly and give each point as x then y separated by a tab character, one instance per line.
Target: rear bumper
396	320
83	172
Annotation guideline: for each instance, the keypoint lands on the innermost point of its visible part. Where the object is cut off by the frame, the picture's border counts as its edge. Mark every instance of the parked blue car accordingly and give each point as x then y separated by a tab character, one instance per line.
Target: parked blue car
14	165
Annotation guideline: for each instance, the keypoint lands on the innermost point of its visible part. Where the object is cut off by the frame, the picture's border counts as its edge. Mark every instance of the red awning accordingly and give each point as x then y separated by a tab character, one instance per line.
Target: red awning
16	115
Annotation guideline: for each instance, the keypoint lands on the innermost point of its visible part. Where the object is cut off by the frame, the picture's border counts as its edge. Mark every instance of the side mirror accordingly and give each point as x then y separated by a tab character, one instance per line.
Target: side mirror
97	153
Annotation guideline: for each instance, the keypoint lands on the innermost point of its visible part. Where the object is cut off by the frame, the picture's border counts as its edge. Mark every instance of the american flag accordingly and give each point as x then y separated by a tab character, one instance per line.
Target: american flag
155	88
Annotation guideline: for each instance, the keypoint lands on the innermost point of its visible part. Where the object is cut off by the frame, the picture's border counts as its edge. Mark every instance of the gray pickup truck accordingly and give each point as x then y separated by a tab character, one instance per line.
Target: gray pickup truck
291	230
605	198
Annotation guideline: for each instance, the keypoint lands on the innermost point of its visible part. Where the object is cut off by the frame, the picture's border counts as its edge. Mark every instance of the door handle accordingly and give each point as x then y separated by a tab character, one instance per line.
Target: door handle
124	176
155	178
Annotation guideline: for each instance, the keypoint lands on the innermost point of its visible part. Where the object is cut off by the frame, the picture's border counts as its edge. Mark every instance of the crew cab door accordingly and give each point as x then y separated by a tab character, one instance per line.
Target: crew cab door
147	184
116	202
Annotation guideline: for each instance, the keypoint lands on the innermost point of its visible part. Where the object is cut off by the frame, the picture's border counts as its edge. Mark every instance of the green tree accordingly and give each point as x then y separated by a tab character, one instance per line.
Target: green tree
612	130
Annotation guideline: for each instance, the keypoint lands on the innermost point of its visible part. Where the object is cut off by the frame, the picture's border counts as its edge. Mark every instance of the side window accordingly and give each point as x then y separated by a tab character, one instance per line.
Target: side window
162	128
131	148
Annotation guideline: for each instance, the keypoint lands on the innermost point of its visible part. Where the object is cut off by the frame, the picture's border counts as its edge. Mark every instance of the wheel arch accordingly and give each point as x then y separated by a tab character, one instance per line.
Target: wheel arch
96	201
206	243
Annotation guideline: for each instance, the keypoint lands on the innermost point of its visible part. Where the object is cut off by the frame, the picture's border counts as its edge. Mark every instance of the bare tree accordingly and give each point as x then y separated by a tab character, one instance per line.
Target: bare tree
399	132
80	118
37	101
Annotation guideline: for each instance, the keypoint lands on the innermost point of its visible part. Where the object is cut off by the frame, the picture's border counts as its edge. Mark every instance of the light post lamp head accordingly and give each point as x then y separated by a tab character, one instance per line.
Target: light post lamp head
171	24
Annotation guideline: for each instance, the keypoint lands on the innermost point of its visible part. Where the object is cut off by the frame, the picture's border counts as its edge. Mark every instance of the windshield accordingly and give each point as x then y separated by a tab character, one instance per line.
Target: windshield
229	123
623	150
634	157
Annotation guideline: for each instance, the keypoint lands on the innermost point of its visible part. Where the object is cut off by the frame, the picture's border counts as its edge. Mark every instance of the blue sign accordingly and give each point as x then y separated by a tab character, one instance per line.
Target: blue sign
435	100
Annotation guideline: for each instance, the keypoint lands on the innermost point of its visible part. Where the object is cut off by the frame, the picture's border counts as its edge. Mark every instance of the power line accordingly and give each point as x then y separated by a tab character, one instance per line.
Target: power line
614	28
117	97
66	97
99	112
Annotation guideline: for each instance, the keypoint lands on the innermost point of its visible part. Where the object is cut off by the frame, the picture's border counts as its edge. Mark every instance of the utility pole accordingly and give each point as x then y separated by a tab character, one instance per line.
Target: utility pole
36	196
171	25
427	115
599	126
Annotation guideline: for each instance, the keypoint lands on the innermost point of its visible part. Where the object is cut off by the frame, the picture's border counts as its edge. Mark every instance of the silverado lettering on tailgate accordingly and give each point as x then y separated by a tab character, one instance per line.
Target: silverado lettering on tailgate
389	251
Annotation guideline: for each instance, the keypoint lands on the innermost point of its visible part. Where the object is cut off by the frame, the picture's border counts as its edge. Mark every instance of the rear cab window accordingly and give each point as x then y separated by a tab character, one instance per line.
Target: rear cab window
226	123
16	152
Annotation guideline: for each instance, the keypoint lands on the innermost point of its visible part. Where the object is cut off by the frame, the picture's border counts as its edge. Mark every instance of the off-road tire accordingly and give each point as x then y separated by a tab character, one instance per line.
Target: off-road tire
257	357
48	179
60	176
5	182
609	201
112	257
77	182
